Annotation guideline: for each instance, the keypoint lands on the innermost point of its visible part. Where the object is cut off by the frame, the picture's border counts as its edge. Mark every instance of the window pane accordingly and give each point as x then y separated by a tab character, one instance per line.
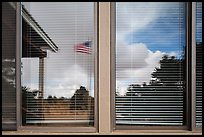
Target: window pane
58	63
8	65
199	64
150	45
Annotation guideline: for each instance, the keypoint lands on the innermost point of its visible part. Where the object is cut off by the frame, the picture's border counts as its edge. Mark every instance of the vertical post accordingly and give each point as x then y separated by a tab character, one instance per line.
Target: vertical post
41	77
193	67
113	60
96	62
188	65
41	87
104	67
18	63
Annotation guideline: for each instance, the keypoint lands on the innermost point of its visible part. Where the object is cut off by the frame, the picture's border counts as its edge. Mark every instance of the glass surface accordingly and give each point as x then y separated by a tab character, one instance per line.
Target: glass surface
150	55
8	65
58	63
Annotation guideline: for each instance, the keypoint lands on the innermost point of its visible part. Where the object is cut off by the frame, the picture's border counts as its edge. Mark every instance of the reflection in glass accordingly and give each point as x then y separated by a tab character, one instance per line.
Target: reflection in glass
150	56
8	65
58	64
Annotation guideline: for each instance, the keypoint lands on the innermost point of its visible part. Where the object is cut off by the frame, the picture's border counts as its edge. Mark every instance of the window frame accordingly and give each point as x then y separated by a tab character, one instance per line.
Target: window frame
37	129
194	20
190	75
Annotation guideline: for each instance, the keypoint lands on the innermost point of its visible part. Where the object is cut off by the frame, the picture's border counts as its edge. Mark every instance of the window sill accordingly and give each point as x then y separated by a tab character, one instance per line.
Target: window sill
156	132
116	132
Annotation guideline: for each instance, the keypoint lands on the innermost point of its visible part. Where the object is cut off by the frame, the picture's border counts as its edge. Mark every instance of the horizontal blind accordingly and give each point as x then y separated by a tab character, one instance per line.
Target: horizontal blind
150	43
199	61
58	64
8	65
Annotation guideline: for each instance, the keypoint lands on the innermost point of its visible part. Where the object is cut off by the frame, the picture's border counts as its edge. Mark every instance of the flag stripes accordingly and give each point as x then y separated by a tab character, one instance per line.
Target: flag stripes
83	47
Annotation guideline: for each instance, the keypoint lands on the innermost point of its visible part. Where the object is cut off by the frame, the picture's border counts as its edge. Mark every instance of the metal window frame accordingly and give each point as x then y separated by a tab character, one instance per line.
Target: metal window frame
18	63
112	65
193	69
37	129
189	73
190	104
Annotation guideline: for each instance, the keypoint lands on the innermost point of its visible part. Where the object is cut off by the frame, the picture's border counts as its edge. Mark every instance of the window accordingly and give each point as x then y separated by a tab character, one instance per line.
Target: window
150	62
58	53
57	65
101	68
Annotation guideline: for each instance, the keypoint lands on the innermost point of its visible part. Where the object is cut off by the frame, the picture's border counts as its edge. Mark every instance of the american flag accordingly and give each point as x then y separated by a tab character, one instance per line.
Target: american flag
84	47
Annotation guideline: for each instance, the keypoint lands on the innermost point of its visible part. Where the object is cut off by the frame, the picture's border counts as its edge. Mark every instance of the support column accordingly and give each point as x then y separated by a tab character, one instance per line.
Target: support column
41	76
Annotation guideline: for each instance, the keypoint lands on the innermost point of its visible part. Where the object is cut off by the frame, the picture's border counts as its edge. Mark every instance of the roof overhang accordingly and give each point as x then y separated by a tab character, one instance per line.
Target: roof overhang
46	42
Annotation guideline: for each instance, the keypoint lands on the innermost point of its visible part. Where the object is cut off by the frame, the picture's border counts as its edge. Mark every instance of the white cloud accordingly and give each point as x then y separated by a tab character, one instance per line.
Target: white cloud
138	75
60	91
67	82
131	56
30	72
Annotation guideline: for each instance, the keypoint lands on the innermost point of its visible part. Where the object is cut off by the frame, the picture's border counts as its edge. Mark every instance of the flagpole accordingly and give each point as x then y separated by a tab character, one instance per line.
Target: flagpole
89	65
89	96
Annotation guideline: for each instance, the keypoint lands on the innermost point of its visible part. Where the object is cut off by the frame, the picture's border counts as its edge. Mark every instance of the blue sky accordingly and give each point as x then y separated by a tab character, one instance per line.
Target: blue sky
166	33
199	22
